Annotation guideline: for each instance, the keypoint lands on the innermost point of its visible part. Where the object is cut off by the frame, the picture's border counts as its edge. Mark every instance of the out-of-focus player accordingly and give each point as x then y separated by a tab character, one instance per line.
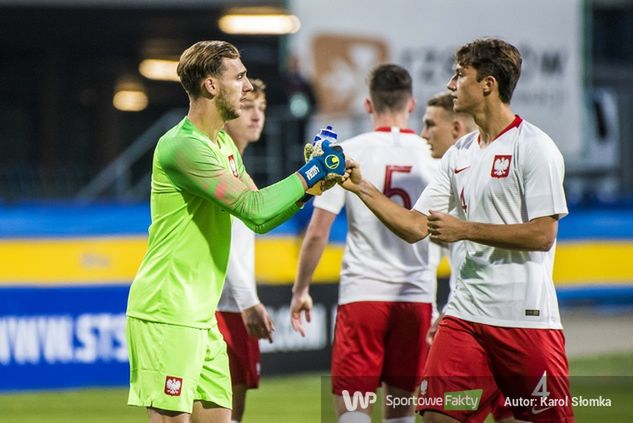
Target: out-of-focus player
506	180
387	286
242	318
179	366
442	128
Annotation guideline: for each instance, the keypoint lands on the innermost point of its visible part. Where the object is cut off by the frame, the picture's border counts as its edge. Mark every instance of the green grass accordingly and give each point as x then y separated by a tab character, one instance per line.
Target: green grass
297	399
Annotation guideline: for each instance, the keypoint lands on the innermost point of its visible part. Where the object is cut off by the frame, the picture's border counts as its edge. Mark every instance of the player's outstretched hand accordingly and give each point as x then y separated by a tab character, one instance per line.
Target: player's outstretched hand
327	156
328	165
325	184
300	303
258	322
352	178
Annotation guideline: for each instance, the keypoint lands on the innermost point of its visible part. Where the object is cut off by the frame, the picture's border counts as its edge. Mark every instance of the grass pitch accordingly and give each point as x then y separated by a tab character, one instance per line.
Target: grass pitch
297	399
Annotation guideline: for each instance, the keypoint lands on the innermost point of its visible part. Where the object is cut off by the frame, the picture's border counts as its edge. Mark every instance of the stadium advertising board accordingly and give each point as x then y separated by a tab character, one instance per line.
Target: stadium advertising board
422	36
67	337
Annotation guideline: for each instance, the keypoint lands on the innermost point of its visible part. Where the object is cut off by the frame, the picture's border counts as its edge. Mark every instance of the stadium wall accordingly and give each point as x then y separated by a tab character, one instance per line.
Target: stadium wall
65	273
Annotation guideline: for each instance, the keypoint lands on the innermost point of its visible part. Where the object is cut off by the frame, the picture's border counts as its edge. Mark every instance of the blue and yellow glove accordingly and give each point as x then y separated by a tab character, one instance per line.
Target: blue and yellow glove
325	162
329	164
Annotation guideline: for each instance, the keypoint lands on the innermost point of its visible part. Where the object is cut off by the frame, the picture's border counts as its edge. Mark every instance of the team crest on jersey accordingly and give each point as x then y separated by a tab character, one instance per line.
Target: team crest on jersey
501	166
233	165
173	385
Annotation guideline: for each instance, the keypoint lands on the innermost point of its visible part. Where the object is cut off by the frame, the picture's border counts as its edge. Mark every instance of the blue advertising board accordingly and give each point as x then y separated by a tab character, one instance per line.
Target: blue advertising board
62	337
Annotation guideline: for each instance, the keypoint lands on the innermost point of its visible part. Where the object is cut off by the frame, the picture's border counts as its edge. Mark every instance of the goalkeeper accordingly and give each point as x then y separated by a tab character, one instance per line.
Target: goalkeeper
178	362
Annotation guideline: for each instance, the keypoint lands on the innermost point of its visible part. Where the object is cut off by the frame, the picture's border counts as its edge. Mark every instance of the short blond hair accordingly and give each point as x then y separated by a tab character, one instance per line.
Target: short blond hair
444	101
202	59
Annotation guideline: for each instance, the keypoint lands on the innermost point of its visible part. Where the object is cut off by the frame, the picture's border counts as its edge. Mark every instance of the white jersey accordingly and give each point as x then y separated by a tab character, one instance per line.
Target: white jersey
377	265
240	291
516	178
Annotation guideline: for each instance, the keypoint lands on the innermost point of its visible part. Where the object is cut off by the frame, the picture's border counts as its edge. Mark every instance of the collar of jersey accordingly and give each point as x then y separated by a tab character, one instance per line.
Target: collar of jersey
388	129
203	136
514	124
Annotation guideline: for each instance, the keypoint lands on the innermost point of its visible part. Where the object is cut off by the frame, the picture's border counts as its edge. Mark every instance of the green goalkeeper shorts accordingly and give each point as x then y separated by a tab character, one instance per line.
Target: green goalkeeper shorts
173	366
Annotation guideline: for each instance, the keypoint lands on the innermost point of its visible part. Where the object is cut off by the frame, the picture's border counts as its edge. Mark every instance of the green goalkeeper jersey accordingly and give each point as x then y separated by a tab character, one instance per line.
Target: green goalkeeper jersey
196	186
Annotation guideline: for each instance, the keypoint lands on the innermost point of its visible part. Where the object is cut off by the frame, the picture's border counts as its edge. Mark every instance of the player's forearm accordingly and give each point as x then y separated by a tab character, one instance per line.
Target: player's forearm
309	258
263	208
536	235
275	221
409	225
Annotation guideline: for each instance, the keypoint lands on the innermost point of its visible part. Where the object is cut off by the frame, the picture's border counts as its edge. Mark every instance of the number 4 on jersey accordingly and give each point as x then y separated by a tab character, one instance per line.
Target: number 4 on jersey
391	191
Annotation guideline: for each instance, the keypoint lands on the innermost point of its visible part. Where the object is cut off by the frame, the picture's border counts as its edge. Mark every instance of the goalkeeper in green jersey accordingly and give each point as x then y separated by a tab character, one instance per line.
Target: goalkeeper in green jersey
178	361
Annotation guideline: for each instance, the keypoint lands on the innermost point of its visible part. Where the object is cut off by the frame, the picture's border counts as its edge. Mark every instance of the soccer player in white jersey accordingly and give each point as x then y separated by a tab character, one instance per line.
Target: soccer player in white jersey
387	286
442	128
242	318
506	180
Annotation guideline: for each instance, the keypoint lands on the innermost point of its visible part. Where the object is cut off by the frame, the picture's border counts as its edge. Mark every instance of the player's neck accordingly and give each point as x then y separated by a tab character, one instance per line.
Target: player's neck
206	117
400	120
493	119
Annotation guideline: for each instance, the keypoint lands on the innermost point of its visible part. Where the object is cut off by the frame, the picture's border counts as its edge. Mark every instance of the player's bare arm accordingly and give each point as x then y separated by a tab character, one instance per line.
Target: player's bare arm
536	235
314	243
410	225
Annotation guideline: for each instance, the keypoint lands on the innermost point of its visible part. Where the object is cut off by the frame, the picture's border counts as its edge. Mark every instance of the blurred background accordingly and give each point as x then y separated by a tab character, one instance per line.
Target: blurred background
88	86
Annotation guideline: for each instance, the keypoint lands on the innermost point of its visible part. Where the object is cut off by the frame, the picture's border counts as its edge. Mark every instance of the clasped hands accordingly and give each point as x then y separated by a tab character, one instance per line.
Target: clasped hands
325	162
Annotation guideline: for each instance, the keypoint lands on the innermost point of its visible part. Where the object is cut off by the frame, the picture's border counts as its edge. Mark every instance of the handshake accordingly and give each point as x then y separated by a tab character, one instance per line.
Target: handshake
325	162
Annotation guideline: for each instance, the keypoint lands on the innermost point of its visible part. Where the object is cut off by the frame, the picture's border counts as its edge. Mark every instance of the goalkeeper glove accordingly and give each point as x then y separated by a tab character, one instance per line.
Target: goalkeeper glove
329	164
314	148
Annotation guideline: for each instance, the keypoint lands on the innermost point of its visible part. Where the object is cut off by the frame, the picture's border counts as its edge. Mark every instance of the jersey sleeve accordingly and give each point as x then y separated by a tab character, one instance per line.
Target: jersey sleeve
248	181
199	170
272	223
240	274
437	195
331	200
542	172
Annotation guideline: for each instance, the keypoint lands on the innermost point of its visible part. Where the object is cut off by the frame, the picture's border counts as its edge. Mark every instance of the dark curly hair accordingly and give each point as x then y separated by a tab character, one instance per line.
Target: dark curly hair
496	58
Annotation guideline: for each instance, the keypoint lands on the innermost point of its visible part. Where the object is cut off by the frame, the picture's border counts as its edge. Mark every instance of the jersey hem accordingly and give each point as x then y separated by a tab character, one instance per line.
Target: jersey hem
327	208
504	323
387	299
165	322
546	213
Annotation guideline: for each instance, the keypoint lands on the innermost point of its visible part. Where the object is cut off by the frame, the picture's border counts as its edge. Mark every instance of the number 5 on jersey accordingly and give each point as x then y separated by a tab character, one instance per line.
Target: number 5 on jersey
391	191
